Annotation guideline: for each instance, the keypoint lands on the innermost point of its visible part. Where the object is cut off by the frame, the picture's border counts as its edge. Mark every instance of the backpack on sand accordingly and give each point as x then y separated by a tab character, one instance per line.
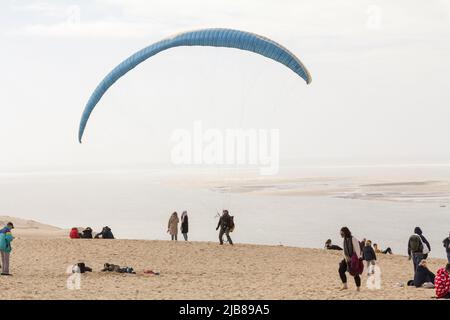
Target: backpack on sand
415	244
231	227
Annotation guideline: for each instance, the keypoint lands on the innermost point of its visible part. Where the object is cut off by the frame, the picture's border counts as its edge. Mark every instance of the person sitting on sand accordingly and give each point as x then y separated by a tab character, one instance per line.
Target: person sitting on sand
442	282
105	234
74	234
225	224
184	225
446	244
369	256
5	247
330	246
351	247
87	233
423	277
172	227
115	268
378	250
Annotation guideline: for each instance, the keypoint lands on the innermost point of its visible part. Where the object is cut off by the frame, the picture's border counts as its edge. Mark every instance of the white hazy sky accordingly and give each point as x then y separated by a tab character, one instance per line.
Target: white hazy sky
380	91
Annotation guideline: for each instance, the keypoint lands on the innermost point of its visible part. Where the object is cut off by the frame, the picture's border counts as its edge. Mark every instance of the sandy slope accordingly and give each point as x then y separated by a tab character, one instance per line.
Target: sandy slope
192	271
32	229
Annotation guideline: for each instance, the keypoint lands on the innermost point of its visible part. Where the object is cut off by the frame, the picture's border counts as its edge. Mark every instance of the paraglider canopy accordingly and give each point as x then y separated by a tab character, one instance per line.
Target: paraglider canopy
206	37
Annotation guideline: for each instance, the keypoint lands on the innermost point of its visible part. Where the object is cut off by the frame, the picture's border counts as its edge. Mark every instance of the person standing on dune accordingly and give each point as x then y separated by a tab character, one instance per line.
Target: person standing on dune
352	259
172	227
5	247
184	225
226	225
418	248
427	246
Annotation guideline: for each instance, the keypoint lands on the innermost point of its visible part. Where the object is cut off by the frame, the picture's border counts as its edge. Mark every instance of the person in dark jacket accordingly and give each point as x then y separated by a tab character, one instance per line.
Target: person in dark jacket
423	275
418	248
362	243
446	243
351	246
330	246
87	233
225	224
369	256
184	225
105	234
418	231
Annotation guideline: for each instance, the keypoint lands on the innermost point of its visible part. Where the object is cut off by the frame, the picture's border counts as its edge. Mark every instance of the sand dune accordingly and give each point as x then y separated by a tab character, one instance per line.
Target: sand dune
32	229
192	271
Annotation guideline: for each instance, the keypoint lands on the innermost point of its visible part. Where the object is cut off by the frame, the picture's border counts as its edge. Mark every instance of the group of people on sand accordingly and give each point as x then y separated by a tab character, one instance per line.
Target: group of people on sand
225	224
355	252
418	250
330	246
172	227
87	233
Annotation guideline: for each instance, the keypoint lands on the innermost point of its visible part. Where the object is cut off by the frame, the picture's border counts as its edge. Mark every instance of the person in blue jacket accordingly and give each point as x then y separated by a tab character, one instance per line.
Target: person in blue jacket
5	247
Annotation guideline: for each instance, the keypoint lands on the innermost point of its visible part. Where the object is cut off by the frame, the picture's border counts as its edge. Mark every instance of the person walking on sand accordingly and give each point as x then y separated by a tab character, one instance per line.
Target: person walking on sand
5	247
446	244
172	227
352	255
427	246
417	248
226	225
369	256
184	225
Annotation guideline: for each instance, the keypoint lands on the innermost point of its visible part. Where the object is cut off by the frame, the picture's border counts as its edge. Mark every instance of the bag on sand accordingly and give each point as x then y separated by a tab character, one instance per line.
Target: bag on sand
80	267
231	227
356	265
415	244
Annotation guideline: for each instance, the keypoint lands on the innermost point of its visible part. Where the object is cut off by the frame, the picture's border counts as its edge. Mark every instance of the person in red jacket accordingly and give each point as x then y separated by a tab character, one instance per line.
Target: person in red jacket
74	234
442	282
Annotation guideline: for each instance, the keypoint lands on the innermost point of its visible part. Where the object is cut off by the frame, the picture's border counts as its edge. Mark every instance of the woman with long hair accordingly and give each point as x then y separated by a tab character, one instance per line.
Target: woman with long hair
172	227
351	247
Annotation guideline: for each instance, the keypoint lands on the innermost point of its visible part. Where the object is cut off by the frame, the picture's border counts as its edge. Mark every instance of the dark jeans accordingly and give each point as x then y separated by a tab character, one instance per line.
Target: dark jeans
388	250
343	269
416	258
448	256
174	237
227	233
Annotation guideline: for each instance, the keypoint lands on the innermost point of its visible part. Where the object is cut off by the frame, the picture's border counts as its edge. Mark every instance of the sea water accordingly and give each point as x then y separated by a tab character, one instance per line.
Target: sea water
137	205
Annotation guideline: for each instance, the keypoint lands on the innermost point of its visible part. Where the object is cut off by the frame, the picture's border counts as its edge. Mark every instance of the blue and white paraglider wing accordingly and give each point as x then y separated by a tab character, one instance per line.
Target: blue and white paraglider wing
206	37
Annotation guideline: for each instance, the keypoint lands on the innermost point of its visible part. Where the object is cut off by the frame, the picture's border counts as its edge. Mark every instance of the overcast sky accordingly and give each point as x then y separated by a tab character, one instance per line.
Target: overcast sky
380	91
